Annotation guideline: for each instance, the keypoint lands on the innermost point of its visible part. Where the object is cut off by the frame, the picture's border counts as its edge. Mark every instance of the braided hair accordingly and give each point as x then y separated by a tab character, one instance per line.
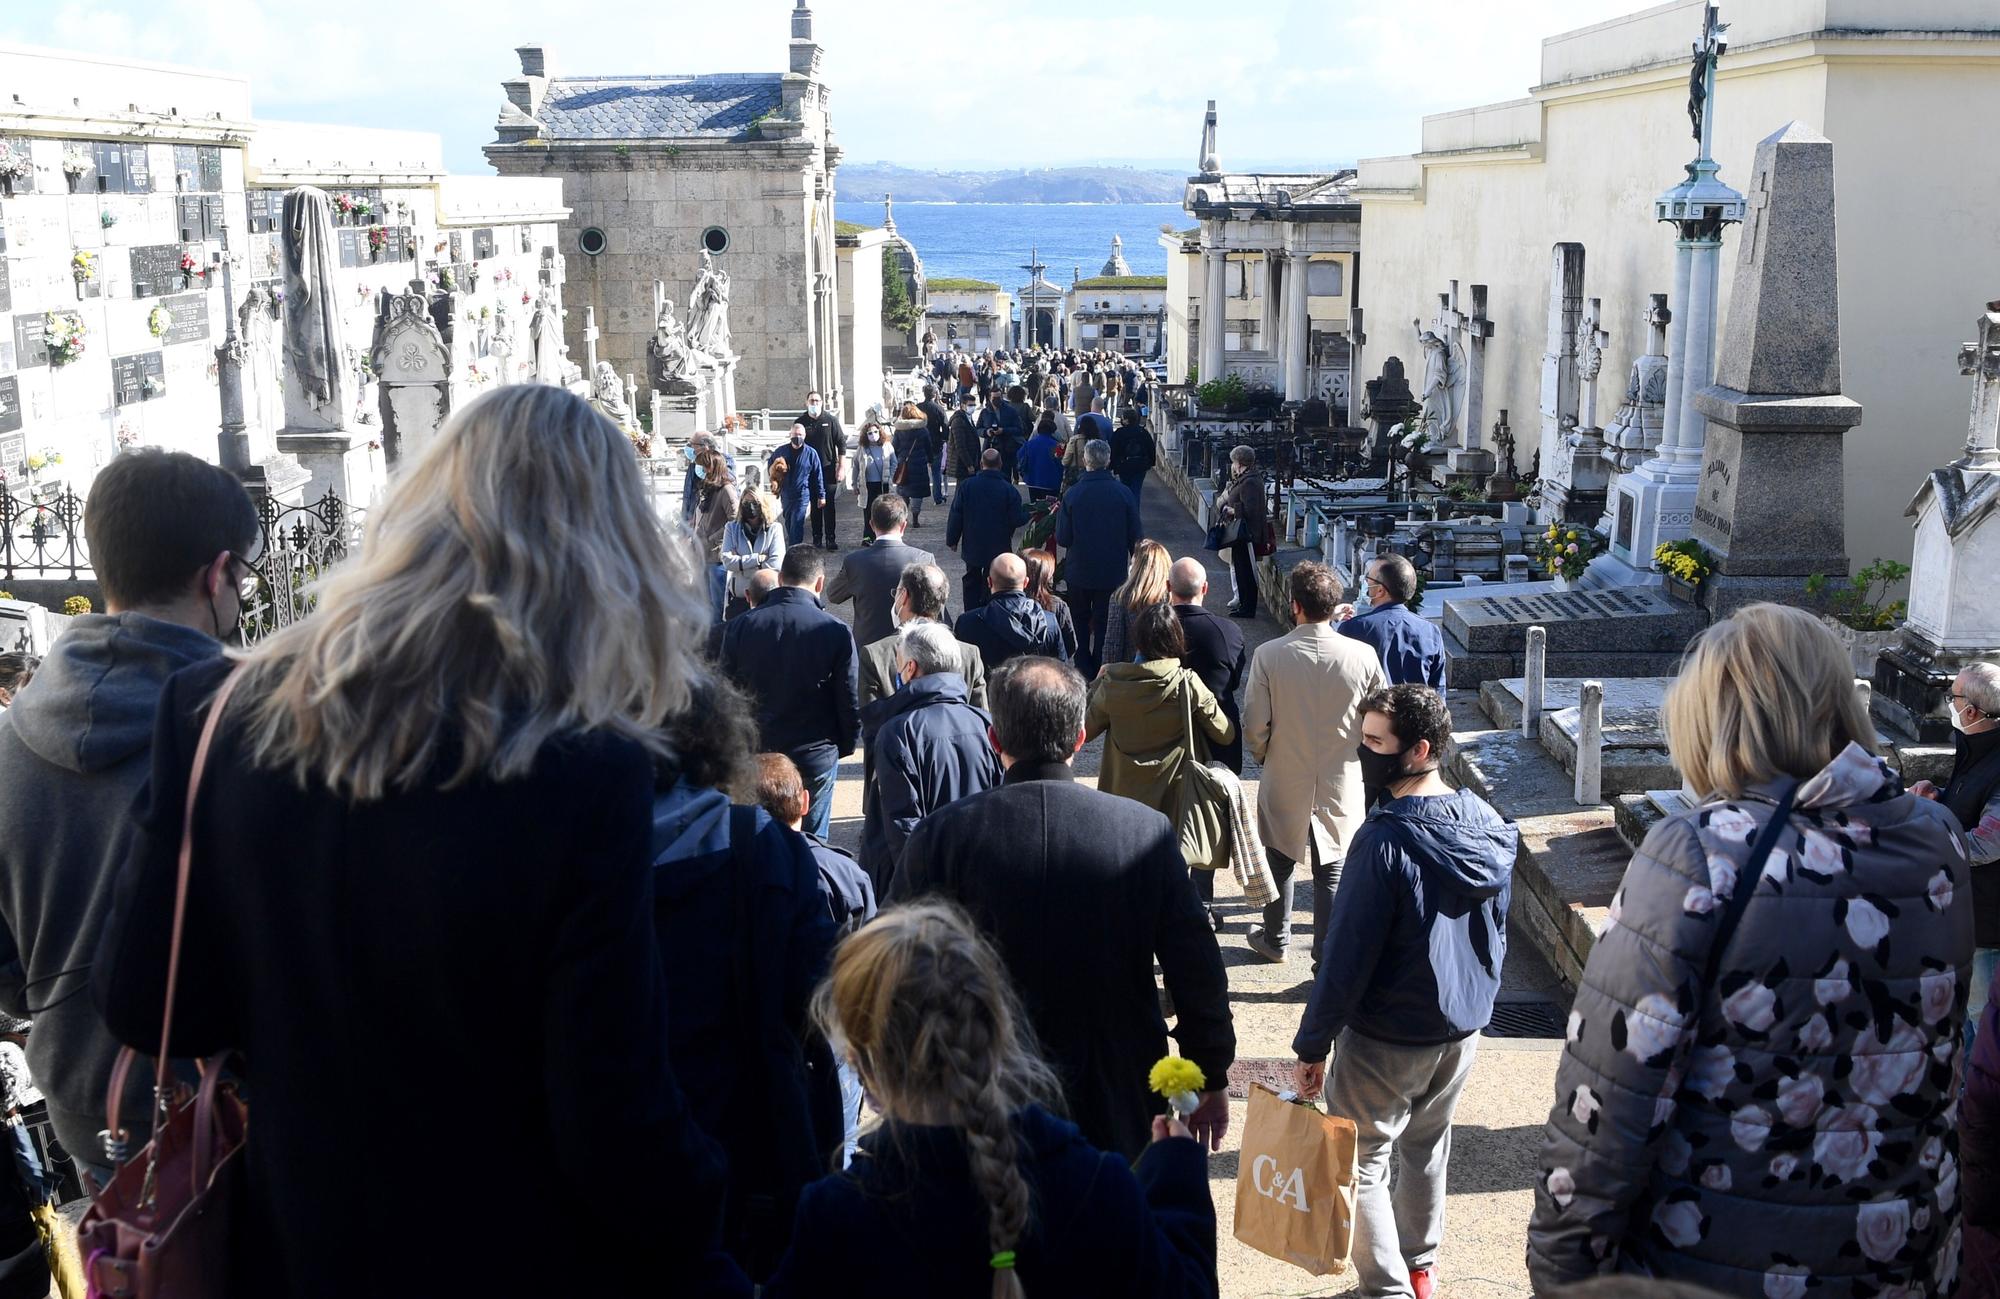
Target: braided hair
922	1006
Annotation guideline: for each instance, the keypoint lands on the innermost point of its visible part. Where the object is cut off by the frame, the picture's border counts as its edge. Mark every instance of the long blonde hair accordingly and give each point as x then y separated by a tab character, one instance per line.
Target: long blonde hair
1764	692
1146	579
514	584
922	1006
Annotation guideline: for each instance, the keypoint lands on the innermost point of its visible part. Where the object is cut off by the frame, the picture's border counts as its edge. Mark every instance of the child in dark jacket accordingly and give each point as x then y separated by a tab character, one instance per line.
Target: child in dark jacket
970	1185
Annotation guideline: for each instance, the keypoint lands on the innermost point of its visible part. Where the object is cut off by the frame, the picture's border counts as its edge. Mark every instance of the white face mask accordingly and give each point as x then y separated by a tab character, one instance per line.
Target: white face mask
1958	722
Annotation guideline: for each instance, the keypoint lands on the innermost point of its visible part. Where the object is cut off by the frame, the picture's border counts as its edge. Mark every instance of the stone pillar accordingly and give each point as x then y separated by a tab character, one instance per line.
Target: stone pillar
1271	319
1590	745
1704	283
1357	338
1559	378
1670	430
1298	330
1215	263
1534	683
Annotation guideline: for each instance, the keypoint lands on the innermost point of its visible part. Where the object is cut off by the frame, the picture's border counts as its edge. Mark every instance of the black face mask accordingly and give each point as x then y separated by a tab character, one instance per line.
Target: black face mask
1381	770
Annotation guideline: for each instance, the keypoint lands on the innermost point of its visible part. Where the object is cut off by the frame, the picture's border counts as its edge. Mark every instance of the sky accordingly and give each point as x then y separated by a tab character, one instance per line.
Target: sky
1026	84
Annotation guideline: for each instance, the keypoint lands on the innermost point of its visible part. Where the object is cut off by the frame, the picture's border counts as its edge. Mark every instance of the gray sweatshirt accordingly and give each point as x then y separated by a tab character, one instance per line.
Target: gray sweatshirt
74	750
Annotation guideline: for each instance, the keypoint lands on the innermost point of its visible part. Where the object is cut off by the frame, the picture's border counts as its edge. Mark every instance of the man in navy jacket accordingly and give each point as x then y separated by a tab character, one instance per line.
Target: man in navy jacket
799	664
804	489
1416	938
1411	650
985	511
1098	523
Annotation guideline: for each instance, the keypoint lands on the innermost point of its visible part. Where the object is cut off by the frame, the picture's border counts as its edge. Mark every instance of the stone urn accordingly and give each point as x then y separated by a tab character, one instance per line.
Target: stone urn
1863	647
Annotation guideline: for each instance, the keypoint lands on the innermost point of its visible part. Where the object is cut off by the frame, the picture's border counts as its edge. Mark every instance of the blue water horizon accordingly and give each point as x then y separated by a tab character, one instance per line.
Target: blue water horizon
992	241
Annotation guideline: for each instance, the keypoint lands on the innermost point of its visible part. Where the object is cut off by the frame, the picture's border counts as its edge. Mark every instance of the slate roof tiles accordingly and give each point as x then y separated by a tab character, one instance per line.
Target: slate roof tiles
651	108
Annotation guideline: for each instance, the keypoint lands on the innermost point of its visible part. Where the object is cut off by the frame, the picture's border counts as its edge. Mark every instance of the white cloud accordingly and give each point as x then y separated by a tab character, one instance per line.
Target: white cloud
1026	83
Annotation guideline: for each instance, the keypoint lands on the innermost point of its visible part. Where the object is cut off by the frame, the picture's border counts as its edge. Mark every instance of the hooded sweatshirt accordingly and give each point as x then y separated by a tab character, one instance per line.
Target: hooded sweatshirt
74	750
1419	926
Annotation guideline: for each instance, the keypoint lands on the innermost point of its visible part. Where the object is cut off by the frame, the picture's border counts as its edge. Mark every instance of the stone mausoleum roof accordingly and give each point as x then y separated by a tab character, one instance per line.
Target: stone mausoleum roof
713	106
1273	195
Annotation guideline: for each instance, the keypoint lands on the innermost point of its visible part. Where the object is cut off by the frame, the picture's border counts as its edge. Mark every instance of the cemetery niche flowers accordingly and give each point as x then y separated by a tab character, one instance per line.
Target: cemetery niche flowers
63	332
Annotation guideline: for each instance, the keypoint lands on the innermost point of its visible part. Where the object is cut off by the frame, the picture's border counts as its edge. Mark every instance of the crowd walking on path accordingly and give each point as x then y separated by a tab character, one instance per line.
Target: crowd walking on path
544	830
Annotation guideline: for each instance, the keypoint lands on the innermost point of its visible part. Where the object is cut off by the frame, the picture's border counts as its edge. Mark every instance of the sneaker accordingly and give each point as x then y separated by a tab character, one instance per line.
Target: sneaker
1260	943
1215	920
1420	1282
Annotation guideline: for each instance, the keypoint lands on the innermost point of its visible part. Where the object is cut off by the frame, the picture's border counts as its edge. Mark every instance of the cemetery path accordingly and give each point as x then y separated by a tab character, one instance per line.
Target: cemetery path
1500	1119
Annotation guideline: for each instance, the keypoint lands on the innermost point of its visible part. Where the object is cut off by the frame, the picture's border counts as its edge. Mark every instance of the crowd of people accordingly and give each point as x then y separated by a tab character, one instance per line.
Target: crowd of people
530	821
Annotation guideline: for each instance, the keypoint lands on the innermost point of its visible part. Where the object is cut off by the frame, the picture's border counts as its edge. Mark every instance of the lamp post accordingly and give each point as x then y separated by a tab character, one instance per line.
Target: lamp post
233	444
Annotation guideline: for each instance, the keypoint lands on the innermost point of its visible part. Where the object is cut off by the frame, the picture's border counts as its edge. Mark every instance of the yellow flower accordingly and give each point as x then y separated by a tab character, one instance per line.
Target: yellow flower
1174	1075
1571	536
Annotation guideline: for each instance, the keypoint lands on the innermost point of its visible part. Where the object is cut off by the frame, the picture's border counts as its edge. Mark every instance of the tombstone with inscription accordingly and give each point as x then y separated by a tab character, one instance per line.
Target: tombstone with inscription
1771	503
1604	633
1634	433
1954	616
413	366
1390	401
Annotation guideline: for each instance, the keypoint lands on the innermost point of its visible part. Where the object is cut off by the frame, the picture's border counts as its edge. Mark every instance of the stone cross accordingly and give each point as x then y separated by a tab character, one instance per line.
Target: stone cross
1757	201
1657	320
1981	360
659	300
590	337
1559	377
632	397
1474	329
1592	339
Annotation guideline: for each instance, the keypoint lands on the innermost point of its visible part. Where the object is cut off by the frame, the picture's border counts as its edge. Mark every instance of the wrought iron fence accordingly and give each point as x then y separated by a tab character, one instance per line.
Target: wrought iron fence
44	540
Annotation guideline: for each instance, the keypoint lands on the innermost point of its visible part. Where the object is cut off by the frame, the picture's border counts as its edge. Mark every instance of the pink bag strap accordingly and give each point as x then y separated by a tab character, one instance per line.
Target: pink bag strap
121	1071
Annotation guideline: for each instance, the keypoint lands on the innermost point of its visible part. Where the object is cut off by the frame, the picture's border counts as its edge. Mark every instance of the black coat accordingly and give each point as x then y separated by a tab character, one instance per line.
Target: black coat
1975	778
907	1221
1216	654
799	664
466	979
1009	625
916	457
1081	891
986	510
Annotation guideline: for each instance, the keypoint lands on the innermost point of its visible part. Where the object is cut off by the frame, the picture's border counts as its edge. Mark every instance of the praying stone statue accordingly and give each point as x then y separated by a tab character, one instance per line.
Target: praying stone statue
708	311
608	395
545	335
674	361
1438	412
319	383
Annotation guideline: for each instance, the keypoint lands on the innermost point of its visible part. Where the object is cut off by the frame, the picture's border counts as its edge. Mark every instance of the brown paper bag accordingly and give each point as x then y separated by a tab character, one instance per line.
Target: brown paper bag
1295	1184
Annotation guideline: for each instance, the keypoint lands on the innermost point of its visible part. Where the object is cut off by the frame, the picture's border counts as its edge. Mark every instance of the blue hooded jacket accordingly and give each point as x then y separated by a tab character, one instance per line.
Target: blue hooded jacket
1419	926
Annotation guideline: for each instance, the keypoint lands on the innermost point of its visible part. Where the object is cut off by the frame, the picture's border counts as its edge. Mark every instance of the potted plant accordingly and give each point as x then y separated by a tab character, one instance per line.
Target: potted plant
1861	614
1567	551
1684	565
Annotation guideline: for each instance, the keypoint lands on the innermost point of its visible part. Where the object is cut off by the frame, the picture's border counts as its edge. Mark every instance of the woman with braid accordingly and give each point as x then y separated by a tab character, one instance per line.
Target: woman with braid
970	1184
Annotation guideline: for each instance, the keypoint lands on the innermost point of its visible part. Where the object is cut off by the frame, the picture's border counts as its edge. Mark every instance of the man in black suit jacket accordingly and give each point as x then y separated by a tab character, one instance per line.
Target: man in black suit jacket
799	664
1081	891
1215	653
868	576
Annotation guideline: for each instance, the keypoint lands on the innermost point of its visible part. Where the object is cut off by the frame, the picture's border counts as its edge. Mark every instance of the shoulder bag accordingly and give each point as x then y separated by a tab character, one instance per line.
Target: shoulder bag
160	1228
1205	817
1746	884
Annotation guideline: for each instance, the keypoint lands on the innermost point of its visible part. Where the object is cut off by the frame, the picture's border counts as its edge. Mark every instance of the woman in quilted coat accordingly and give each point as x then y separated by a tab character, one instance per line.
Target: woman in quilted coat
1791	1121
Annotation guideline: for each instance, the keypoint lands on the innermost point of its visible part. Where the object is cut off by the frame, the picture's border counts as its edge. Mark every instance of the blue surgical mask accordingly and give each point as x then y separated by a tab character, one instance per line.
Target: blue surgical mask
812	409
701	473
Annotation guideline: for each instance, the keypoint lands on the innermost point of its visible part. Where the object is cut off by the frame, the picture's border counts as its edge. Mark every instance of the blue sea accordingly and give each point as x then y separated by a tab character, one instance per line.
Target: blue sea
992	241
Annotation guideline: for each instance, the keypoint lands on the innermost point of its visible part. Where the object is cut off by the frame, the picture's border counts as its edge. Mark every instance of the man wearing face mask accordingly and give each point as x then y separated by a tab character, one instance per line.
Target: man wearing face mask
804	486
168	534
1973	795
825	436
1419	931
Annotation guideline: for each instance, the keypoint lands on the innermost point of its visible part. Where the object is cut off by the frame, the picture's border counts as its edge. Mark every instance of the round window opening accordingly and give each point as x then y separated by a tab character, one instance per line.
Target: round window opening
591	241
715	239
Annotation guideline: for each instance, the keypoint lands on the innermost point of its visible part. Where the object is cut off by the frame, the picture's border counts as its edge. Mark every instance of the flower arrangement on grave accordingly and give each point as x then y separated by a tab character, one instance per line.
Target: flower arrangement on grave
526	299
446	280
63	332
75	162
1180	1081
77	606
46	458
378	239
485	313
1864	604
14	161
343	203
159	320
150	386
107	218
189	267
128	437
364	208
83	266
1566	552
1686	560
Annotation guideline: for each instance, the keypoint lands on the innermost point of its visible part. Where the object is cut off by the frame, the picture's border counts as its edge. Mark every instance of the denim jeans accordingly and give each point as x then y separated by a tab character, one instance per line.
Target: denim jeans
1278	912
795	522
718	591
1092	610
1134	483
819	768
1985	960
850	1111
1401	1099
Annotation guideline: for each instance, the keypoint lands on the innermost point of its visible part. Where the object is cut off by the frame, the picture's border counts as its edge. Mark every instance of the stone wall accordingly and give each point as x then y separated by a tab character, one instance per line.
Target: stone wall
653	212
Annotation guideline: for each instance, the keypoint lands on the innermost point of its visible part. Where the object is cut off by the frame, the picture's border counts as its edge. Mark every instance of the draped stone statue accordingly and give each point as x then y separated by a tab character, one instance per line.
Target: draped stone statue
319	381
708	311
1439	414
608	395
257	324
674	360
545	336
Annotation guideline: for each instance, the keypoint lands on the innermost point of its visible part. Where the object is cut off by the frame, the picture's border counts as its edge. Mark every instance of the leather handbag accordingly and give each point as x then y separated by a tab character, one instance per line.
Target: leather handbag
160	1228
1204	819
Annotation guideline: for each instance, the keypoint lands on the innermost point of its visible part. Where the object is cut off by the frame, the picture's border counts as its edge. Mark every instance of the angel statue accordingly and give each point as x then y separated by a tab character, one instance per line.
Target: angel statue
1439	384
708	311
674	361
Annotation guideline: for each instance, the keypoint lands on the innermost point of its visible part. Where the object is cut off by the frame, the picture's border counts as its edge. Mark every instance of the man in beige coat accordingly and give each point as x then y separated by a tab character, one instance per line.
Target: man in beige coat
1302	720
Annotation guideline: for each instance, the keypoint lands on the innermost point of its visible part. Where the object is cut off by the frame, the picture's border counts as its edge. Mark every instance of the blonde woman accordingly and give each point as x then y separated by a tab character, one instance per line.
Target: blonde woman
1761	1079
1145	587
754	540
972	1185
422	856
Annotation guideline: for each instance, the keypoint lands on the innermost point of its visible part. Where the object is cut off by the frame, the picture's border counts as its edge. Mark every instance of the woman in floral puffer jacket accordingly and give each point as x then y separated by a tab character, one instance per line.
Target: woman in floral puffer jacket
1798	1119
